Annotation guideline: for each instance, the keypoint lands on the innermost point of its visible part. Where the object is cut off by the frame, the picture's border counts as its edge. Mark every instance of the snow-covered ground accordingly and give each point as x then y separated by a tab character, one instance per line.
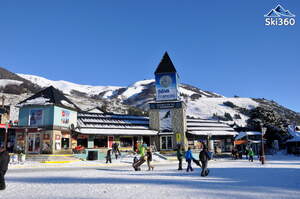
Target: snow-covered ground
278	178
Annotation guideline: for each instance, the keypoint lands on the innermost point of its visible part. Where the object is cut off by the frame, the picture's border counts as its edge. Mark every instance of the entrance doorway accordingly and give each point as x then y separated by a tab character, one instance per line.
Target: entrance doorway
34	143
166	142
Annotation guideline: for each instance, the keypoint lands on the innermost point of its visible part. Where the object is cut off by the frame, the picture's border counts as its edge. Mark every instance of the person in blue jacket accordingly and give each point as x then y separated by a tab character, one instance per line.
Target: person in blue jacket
189	158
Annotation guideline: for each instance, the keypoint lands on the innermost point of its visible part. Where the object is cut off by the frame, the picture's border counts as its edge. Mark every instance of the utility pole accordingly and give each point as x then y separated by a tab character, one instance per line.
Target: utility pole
263	131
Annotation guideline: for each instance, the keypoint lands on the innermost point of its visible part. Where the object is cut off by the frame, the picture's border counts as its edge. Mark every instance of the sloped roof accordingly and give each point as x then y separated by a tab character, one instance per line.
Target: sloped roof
209	127
49	96
97	123
165	65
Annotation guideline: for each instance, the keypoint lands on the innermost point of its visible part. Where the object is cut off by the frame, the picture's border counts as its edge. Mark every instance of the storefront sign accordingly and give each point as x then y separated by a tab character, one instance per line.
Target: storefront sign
36	117
166	105
65	117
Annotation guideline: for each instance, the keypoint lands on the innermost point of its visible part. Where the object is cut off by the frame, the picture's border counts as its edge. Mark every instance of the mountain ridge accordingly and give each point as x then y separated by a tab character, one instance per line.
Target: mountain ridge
134	99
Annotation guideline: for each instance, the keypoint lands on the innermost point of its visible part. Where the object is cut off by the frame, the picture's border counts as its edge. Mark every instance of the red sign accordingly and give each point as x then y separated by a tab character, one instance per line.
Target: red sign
3	126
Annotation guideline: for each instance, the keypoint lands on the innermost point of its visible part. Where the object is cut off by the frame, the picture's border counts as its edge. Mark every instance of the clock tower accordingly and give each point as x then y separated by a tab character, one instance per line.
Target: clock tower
168	113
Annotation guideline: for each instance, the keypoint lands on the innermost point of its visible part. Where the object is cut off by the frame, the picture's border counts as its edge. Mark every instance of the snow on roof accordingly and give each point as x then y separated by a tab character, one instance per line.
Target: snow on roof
243	134
37	101
117	131
6	82
212	133
293	132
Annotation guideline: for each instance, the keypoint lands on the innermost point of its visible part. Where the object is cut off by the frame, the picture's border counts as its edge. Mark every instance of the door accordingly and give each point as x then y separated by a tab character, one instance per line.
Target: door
166	142
34	143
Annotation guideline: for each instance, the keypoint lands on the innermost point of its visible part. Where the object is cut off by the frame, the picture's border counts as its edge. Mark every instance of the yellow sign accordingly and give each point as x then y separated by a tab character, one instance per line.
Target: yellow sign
178	138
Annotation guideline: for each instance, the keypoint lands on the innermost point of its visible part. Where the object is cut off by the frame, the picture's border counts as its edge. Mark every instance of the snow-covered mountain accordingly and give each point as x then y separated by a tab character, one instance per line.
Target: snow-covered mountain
134	99
200	104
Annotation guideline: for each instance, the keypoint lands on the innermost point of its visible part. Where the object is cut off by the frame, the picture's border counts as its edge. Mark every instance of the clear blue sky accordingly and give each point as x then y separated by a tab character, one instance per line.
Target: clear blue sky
220	46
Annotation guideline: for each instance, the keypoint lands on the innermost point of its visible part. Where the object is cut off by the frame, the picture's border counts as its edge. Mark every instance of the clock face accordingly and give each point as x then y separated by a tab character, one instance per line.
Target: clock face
165	81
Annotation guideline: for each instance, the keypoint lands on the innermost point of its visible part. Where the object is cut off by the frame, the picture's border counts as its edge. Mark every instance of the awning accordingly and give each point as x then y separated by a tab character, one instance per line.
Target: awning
243	134
117	131
213	133
238	142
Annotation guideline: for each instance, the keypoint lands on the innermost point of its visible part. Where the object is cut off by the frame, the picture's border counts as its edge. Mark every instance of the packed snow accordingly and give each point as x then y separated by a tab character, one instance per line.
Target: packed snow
68	87
136	88
6	82
205	108
228	179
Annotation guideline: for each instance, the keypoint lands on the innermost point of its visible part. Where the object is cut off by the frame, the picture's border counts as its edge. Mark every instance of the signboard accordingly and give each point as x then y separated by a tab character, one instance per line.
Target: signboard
166	105
65	117
165	120
36	117
166	86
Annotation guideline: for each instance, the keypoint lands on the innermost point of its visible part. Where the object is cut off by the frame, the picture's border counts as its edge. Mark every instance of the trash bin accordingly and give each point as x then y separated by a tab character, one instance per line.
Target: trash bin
92	155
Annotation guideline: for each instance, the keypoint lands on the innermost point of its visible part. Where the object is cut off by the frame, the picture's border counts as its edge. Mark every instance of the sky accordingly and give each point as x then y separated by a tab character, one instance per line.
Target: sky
221	46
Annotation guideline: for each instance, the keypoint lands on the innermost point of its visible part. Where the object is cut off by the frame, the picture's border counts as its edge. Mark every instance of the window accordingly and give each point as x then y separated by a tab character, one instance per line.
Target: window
100	142
126	141
166	142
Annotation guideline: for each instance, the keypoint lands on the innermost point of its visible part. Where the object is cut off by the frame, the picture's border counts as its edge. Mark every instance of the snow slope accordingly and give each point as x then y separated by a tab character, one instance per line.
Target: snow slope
68	87
200	104
205	108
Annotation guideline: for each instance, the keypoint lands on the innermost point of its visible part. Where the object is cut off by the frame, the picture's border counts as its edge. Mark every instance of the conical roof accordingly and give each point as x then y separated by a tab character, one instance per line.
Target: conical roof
49	96
165	65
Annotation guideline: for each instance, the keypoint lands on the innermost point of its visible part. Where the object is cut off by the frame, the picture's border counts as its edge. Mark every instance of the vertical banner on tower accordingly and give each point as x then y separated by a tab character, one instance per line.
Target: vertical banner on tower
166	86
165	120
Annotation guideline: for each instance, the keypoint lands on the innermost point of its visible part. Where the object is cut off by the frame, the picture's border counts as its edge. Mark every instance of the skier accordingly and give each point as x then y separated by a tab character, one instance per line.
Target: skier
116	150
108	156
250	154
204	157
179	154
189	158
4	160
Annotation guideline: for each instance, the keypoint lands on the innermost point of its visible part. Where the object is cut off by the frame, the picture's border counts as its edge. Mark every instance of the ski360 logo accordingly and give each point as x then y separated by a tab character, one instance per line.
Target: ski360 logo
280	17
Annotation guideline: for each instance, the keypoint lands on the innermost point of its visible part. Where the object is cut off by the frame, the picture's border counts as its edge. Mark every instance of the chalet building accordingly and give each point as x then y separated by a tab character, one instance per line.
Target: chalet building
45	123
217	135
98	130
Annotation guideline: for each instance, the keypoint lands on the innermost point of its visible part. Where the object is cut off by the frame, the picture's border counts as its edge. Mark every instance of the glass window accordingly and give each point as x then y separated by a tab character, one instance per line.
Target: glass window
100	142
125	141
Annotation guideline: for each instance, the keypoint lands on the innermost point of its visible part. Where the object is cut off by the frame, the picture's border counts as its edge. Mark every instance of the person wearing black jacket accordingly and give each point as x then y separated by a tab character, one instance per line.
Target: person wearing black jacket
4	160
204	157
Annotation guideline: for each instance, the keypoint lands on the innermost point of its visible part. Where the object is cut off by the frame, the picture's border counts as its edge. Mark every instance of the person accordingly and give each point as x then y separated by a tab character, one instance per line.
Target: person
188	158
149	159
179	154
250	154
116	150
204	157
4	160
108	156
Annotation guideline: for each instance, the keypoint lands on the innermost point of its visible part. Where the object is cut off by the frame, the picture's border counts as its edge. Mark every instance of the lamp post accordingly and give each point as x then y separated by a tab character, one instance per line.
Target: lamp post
263	131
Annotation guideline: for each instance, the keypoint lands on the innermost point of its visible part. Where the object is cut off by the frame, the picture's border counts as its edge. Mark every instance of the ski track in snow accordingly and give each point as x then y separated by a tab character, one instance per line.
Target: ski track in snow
229	179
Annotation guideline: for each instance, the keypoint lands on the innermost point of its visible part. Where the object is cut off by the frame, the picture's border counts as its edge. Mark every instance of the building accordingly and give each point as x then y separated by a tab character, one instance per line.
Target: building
46	120
98	130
